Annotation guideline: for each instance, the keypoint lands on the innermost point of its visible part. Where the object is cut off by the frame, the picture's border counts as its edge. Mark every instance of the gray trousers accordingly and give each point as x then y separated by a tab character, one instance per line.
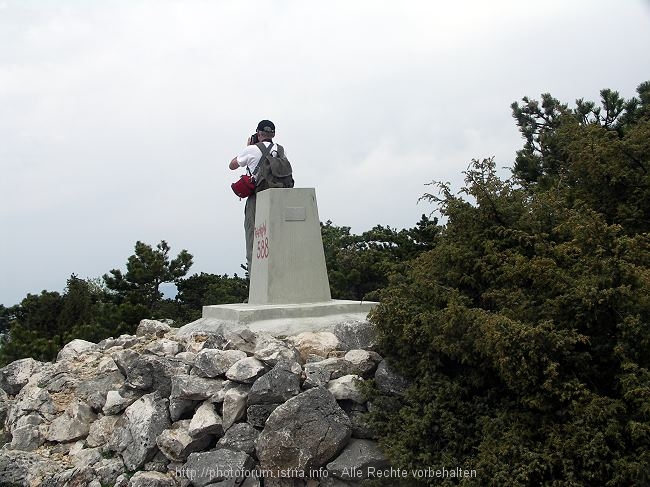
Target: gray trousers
249	227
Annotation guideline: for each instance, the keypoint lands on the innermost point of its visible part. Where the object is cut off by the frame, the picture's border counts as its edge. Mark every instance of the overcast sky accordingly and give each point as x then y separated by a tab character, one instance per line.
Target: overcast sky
118	118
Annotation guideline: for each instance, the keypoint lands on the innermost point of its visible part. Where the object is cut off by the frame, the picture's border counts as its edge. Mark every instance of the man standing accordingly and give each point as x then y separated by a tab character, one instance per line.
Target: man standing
250	158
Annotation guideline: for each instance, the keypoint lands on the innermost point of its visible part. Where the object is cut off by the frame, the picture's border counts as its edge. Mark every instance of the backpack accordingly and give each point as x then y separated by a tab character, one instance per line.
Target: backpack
273	172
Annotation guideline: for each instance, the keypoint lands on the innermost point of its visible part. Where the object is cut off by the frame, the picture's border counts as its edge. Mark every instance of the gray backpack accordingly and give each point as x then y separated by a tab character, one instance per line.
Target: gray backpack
273	172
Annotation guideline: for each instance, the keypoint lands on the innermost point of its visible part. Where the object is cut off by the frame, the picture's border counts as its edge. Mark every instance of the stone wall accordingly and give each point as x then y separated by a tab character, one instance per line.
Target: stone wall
159	409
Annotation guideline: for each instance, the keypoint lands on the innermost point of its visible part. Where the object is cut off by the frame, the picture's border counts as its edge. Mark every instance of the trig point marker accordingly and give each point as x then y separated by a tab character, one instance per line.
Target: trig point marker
289	290
288	260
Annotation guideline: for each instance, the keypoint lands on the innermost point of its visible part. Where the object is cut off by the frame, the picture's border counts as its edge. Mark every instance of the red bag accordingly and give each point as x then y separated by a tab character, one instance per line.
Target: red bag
244	187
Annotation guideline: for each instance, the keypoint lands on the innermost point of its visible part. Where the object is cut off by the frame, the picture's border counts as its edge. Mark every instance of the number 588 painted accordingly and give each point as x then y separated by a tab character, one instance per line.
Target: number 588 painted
263	248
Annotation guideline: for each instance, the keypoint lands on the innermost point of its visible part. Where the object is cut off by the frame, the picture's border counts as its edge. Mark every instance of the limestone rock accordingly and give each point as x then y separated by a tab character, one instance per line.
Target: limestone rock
176	443
289	482
32	407
346	388
72	425
195	388
276	386
180	408
246	370
76	348
331	481
15	376
321	372
151	479
5	403
154	373
74	477
363	362
26	434
270	350
251	481
122	481
159	463
288	438
356	335
257	414
357	457
215	363
188	358
95	389
388	380
319	343
152	327
108	470
106	365
202	340
164	347
241	437
205	421
136	431
234	404
24	468
84	457
101	430
121	342
118	401
215	466
240	339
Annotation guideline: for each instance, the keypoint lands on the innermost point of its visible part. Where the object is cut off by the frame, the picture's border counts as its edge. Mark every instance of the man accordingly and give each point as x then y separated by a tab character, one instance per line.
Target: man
250	158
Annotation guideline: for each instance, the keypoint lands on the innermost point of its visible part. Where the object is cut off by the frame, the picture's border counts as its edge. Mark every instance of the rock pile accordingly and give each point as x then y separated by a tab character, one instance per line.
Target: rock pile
163	409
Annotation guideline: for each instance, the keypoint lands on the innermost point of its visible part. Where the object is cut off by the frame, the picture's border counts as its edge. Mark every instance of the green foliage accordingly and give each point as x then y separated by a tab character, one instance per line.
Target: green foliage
359	265
5	318
600	152
34	330
204	289
525	330
96	309
146	270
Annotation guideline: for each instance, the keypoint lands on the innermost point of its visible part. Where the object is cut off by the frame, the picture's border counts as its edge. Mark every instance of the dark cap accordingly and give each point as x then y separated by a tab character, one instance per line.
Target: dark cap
266	126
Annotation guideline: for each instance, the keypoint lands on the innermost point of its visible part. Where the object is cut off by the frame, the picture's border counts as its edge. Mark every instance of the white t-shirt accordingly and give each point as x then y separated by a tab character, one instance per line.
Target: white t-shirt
252	154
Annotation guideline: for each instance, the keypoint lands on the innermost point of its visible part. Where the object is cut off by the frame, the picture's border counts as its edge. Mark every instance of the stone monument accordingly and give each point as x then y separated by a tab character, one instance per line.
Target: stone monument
289	289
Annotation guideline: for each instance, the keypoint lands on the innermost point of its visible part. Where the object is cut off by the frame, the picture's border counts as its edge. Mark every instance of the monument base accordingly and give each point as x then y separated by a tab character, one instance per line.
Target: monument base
280	319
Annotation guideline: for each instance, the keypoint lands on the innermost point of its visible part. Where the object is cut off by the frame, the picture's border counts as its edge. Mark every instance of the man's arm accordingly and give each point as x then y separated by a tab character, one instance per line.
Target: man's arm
234	164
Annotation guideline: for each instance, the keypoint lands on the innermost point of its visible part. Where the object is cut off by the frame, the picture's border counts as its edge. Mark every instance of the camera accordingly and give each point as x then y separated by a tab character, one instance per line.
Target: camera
254	139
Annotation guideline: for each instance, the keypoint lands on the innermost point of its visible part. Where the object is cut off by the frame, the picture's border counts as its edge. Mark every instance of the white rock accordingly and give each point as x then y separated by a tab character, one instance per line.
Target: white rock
234	405
176	443
116	403
152	327
310	343
164	347
73	424
101	431
270	350
246	370
106	365
206	421
187	357
214	363
363	362
151	479
15	376
346	388
76	348
136	431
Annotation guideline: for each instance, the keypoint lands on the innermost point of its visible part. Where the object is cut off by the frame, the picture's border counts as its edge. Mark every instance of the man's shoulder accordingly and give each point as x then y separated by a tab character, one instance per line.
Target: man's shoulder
250	150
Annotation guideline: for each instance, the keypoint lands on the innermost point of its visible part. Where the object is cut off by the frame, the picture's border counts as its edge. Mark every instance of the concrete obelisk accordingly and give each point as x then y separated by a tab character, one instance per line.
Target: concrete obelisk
289	289
288	260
